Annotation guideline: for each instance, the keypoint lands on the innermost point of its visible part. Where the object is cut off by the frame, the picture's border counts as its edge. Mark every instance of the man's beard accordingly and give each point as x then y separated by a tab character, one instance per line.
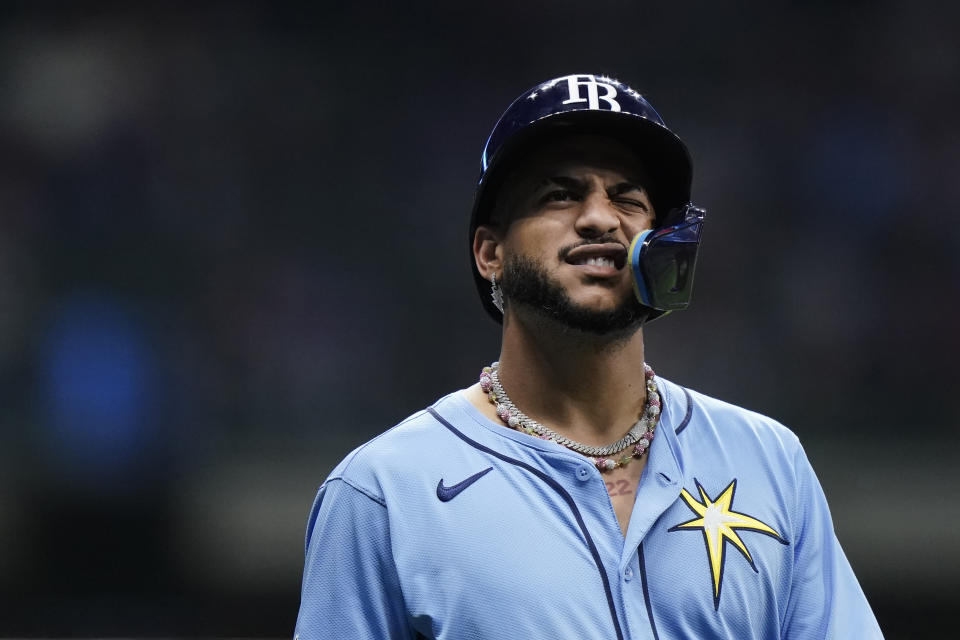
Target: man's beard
526	284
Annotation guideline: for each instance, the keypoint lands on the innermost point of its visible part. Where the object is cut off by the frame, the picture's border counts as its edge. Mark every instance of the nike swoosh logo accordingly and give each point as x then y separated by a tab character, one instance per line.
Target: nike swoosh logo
449	493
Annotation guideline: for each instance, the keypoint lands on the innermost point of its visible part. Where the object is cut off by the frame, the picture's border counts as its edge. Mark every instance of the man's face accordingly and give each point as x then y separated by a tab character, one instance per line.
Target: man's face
566	219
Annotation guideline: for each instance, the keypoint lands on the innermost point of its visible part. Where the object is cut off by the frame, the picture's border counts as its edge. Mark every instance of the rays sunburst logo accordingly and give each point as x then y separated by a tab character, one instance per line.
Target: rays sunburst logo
718	522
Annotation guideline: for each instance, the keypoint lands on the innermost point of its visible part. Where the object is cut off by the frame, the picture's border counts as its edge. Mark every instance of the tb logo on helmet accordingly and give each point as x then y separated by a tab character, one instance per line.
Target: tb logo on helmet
593	98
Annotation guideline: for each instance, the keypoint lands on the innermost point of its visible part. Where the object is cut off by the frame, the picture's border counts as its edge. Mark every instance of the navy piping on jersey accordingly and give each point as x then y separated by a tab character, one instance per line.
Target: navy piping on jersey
686	418
567	498
646	591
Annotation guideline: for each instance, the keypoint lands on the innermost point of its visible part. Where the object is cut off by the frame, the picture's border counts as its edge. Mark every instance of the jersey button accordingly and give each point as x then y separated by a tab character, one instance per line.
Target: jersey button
628	574
583	473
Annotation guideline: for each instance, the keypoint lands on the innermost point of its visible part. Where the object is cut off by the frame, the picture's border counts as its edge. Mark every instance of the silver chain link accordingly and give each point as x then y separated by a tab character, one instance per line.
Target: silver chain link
638	431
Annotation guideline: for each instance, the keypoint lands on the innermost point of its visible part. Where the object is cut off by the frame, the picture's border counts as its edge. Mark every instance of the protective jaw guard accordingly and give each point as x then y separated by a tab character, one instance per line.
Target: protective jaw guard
662	260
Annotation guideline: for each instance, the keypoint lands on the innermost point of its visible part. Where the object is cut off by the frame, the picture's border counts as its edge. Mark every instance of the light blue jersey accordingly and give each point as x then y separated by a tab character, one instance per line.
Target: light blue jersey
455	527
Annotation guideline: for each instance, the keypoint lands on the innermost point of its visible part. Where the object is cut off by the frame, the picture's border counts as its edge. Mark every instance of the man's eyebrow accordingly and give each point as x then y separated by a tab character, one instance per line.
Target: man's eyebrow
579	185
623	187
563	181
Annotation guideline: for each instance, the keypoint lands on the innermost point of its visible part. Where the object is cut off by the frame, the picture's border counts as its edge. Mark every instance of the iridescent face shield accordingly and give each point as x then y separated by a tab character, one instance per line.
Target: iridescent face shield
662	260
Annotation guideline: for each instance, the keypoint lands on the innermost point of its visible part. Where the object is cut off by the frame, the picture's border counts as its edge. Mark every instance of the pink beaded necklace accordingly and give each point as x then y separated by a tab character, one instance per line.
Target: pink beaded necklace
633	445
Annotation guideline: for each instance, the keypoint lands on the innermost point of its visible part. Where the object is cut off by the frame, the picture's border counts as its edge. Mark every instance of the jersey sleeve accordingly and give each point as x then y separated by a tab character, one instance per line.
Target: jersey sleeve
826	601
350	584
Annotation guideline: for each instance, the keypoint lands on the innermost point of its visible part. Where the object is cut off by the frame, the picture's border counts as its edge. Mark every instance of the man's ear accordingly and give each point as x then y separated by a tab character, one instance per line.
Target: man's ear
488	251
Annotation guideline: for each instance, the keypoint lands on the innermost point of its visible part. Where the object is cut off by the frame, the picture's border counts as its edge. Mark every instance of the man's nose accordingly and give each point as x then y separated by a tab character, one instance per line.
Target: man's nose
597	216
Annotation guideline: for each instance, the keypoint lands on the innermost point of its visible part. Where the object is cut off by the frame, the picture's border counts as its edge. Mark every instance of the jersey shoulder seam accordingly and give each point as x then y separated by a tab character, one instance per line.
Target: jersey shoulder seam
705	403
359	489
356	452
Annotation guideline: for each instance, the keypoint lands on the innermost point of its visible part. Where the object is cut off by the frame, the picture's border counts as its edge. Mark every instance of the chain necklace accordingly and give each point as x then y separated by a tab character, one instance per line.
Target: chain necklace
633	445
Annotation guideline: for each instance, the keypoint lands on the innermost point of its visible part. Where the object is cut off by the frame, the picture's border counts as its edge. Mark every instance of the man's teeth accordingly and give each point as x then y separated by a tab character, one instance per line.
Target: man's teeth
599	262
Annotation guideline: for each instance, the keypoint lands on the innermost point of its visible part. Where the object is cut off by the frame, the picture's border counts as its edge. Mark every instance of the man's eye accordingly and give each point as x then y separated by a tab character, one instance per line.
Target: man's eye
635	205
560	195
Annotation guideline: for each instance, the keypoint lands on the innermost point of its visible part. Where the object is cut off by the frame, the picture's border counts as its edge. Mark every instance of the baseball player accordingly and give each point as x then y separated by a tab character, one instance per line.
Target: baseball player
571	492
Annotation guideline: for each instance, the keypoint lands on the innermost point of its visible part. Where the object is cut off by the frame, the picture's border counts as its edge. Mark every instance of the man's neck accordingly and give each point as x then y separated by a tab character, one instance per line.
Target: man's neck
589	388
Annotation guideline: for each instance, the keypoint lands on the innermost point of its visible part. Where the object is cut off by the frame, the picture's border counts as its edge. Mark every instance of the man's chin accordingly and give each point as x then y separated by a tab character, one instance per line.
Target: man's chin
616	322
599	305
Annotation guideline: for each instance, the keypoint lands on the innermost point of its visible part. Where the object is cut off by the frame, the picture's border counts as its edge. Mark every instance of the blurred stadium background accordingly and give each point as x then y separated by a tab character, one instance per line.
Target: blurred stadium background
233	247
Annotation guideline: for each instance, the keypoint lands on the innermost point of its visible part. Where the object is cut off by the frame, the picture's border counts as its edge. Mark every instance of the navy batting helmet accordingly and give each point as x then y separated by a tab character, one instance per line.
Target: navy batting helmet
585	103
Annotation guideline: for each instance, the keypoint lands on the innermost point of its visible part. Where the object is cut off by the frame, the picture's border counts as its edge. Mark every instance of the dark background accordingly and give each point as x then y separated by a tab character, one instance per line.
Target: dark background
233	247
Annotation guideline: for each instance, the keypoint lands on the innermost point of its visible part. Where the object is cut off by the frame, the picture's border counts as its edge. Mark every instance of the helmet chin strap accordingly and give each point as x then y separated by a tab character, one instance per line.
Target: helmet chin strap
662	260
